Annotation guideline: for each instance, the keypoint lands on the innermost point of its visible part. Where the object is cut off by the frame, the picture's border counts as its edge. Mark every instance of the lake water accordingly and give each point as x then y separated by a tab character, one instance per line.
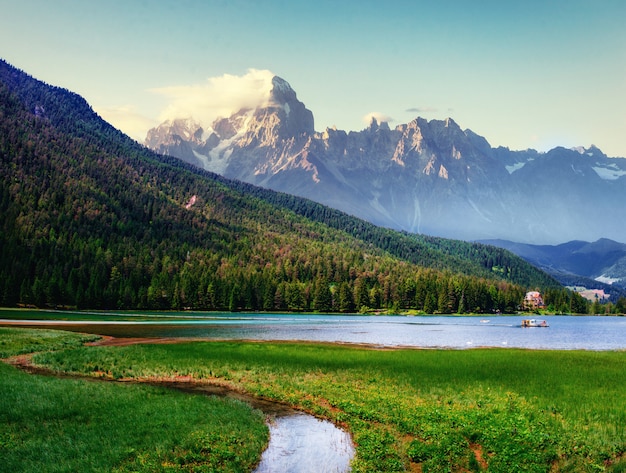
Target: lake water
564	332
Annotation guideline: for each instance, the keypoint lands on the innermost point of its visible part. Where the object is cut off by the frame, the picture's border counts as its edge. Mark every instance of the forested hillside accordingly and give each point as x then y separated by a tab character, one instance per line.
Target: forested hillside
91	219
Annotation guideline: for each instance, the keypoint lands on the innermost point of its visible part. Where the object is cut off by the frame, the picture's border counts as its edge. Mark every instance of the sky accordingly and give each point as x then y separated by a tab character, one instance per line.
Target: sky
523	74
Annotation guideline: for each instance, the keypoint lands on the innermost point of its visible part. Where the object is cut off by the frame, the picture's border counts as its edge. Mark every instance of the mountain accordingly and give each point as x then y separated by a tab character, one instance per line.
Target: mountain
428	177
597	265
92	219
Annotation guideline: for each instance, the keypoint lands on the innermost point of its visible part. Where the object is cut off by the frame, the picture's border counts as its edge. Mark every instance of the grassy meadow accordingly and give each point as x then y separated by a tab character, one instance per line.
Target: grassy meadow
52	424
497	410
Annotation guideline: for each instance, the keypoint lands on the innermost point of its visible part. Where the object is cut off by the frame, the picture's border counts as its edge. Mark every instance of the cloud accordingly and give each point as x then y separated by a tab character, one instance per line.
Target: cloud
378	116
422	110
217	97
127	119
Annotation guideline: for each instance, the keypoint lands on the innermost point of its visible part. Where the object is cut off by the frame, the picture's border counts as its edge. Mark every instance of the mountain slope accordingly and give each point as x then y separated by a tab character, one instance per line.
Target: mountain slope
92	219
429	177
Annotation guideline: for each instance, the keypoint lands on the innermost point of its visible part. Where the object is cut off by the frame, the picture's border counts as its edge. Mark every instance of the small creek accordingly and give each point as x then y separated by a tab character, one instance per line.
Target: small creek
299	442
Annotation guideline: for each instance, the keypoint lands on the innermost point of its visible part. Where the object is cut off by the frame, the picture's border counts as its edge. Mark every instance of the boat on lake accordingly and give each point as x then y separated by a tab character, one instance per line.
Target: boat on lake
534	323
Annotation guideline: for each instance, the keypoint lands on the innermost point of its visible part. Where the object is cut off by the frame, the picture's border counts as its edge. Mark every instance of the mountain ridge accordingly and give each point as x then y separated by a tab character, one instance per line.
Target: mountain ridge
91	219
594	265
424	176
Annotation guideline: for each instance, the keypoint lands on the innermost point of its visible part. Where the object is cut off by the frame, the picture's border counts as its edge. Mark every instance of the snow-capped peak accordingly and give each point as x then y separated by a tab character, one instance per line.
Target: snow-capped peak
281	92
281	85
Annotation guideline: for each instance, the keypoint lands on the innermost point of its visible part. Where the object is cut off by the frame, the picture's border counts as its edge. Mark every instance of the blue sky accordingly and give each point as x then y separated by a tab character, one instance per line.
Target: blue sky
524	74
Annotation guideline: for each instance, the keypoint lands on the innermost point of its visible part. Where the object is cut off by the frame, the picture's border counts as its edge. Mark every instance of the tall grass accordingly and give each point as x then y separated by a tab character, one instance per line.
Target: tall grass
20	341
444	410
66	425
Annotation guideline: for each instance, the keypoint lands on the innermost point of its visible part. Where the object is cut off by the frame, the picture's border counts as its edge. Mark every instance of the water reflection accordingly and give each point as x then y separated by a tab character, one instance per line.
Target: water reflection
301	444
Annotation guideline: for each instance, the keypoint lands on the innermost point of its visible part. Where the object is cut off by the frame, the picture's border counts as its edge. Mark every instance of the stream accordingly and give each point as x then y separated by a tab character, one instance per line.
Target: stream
299	442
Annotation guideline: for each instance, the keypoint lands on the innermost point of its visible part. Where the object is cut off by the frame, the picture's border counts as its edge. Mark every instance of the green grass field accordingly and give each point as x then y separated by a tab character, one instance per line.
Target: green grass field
50	424
411	410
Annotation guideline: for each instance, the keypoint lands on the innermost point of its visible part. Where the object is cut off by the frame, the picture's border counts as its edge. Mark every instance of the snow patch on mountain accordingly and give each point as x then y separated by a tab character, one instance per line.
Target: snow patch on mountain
607	280
219	157
609	172
205	160
515	167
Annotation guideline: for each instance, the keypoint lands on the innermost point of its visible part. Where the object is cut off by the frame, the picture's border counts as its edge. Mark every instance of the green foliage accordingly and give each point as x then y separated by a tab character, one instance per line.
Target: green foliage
91	219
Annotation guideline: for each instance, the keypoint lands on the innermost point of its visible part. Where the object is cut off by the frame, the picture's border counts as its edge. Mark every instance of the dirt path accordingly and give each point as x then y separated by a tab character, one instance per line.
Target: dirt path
186	383
109	341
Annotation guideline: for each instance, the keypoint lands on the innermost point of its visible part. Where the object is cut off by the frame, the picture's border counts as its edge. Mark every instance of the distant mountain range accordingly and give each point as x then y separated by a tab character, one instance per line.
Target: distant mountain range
597	265
428	177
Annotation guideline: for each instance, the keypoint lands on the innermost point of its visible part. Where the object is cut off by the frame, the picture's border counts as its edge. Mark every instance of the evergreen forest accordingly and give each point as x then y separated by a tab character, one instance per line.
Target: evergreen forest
90	219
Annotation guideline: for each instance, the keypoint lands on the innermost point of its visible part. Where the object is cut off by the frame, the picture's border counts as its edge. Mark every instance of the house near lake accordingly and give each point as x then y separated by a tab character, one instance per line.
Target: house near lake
533	301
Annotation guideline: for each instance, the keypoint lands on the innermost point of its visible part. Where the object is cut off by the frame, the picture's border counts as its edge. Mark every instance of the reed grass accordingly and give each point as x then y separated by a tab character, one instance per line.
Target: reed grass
16	342
50	424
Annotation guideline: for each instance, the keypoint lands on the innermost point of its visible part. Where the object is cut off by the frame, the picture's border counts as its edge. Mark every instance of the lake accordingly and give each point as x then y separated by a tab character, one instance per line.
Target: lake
564	332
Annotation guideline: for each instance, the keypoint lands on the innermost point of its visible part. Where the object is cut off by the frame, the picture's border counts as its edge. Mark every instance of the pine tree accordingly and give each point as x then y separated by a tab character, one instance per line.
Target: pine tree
322	298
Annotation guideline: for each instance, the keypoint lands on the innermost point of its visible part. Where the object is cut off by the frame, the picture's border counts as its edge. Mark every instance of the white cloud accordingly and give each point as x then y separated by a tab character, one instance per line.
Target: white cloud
127	119
378	116
217	97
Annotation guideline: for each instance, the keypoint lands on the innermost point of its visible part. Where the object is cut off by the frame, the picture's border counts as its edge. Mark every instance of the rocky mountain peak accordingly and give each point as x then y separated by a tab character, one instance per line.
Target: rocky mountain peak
441	137
426	176
595	152
179	129
226	128
281	92
447	127
376	126
284	116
